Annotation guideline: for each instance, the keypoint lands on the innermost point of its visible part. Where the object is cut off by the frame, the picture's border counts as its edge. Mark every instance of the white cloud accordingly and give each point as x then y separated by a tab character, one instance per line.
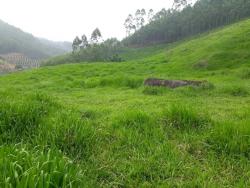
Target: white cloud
64	19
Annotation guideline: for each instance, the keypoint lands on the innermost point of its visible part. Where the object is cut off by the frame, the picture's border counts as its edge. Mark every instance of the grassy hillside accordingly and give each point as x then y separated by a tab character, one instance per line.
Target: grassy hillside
96	125
14	40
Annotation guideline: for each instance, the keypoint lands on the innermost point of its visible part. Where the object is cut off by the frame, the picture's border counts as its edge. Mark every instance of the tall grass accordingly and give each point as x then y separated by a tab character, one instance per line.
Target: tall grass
73	136
231	138
21	120
184	117
25	167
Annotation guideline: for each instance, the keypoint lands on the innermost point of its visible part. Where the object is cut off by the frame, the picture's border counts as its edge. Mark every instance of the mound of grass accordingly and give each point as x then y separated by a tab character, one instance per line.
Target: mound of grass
182	117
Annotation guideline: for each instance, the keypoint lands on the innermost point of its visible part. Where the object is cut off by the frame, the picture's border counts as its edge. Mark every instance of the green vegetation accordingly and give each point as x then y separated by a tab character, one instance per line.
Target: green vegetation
96	125
184	20
13	40
181	22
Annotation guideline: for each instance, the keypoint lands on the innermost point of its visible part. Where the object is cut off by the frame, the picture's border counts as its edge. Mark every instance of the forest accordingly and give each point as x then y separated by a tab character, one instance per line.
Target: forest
174	24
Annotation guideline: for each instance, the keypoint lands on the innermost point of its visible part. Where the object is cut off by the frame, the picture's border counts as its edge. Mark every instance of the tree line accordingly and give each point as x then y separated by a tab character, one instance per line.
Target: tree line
95	49
96	37
185	19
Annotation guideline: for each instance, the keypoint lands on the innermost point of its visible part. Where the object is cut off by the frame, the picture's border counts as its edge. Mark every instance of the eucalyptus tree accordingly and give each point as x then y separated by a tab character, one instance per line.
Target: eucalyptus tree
96	36
129	25
76	44
85	42
150	15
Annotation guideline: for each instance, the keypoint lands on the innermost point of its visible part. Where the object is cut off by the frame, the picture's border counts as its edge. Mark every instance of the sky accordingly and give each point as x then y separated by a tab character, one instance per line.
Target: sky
62	20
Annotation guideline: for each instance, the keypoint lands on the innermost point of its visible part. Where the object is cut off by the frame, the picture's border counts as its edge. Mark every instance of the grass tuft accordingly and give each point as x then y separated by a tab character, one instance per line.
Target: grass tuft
182	117
155	90
20	120
73	136
238	91
231	139
245	74
133	119
23	167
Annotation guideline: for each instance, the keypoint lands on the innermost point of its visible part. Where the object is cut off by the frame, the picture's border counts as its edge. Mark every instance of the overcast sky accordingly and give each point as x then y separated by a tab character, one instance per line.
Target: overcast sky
62	20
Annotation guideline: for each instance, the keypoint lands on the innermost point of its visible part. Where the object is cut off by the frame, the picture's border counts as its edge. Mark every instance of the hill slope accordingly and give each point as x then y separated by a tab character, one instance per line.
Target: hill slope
96	125
171	26
14	40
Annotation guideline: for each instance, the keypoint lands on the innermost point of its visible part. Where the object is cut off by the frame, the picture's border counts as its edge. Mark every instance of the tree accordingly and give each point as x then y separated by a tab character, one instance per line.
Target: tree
129	25
143	14
85	42
186	20
76	44
150	15
96	36
138	19
180	4
163	13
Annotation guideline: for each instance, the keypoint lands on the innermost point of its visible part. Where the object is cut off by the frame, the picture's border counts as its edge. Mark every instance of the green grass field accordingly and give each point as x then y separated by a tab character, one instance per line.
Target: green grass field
96	125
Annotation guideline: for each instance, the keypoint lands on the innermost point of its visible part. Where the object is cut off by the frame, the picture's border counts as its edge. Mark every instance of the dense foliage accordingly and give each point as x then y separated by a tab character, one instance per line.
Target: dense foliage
14	40
205	15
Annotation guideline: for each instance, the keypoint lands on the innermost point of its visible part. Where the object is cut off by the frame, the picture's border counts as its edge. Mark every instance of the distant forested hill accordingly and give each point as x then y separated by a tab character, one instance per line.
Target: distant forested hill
173	25
14	40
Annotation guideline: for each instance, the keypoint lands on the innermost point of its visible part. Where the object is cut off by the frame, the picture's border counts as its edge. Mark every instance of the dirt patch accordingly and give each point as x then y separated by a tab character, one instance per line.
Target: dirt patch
172	83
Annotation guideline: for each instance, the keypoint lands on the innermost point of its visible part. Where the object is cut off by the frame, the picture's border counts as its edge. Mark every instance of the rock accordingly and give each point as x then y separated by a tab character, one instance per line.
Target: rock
171	83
